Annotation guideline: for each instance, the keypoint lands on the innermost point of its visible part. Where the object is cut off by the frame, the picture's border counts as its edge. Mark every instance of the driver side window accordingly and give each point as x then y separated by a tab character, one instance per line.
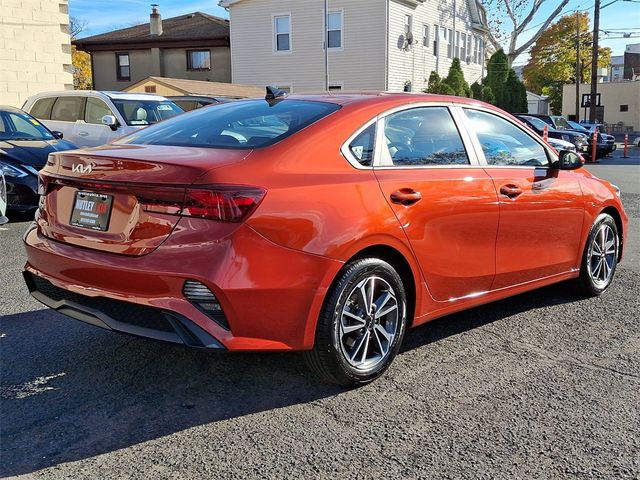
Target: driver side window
503	143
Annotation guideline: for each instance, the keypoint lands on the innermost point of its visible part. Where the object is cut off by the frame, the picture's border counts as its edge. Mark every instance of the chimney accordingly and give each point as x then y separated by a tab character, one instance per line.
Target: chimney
155	20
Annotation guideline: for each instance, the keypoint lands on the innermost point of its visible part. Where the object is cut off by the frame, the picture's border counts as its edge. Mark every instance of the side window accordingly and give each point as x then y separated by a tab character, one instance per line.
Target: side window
42	108
503	143
362	146
95	110
23	126
68	109
422	136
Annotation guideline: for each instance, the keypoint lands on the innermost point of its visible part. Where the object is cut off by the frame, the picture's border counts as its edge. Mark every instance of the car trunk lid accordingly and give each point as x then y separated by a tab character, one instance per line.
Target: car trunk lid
123	199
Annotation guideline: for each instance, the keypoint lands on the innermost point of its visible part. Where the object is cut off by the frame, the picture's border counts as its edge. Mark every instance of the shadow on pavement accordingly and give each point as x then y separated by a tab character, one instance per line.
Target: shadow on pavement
71	391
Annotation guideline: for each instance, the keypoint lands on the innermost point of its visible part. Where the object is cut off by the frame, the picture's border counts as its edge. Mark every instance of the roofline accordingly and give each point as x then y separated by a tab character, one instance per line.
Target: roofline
132	44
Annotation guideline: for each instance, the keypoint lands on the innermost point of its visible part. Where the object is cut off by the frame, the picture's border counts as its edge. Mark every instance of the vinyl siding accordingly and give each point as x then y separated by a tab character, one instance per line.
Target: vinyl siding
359	65
415	64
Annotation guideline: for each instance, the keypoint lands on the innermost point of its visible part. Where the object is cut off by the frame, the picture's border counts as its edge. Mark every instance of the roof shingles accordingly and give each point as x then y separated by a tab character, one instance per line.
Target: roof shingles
189	27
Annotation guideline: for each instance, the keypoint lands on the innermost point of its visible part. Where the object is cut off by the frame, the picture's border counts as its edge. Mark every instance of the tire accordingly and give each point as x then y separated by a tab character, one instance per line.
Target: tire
596	276
342	354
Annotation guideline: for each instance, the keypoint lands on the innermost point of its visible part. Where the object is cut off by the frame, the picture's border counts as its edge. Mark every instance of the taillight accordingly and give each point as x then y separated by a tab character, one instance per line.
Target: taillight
228	203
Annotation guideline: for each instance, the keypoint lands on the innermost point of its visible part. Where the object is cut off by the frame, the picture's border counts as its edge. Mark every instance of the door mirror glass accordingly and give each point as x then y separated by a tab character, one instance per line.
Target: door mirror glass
57	134
569	160
110	121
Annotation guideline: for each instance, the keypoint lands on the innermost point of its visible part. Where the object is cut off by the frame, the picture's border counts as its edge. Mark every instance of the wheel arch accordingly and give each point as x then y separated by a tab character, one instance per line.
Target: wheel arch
613	211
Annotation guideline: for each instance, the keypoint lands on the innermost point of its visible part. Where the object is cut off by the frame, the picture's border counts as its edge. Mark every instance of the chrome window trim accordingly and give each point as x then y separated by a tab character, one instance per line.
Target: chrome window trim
346	151
551	156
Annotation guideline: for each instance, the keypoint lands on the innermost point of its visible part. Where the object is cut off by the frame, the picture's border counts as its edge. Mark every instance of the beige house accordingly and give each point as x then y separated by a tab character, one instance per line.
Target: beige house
193	46
35	50
373	45
170	87
620	103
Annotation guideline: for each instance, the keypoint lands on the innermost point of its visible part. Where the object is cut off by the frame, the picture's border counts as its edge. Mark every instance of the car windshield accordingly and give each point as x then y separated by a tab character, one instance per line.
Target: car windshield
145	112
578	127
242	124
561	123
536	122
21	126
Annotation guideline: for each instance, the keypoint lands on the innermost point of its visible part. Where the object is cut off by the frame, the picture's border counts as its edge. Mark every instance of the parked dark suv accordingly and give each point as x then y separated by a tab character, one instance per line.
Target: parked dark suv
580	141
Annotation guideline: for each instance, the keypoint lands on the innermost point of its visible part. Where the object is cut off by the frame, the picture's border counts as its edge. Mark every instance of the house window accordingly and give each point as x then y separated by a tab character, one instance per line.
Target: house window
123	68
463	47
150	89
436	40
282	28
457	49
476	47
334	30
624	108
335	88
198	60
425	36
408	24
447	35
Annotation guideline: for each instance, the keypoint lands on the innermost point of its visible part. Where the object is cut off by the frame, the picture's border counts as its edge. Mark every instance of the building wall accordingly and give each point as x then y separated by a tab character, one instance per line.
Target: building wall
612	96
35	51
415	64
104	69
359	65
172	63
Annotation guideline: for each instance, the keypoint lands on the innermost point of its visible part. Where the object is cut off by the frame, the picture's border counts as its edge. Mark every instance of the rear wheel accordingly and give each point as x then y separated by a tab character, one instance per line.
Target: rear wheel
600	256
361	325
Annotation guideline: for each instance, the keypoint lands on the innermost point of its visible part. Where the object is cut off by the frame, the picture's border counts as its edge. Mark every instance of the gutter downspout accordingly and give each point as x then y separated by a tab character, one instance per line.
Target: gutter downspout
386	49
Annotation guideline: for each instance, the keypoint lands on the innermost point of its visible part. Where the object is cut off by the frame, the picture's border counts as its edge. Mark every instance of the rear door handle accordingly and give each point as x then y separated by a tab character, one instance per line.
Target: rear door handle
510	190
406	196
83	134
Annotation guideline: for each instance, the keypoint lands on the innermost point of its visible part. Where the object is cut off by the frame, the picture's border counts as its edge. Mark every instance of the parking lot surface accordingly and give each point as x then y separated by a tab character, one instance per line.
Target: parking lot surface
542	385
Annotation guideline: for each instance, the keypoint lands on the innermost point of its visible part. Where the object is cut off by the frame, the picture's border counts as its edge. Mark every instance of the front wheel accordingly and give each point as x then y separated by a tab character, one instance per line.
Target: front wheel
361	325
600	256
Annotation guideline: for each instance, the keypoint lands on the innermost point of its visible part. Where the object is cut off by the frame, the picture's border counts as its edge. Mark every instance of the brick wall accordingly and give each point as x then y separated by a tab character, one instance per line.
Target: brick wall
35	52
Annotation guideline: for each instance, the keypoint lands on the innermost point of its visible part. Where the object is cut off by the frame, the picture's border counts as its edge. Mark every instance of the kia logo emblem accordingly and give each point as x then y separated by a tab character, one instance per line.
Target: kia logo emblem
79	168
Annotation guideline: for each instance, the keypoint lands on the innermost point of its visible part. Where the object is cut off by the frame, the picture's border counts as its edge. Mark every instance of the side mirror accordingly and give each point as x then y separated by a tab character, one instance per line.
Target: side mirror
110	121
569	160
57	134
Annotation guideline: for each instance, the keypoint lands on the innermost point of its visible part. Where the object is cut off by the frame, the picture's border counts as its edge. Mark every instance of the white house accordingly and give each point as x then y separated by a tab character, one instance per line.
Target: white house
373	45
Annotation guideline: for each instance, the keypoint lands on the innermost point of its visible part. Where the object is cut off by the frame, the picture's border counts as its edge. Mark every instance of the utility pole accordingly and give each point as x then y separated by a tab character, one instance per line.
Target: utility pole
578	66
594	64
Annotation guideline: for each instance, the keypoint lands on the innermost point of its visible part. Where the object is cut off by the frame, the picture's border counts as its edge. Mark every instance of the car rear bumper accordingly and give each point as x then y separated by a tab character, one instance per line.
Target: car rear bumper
270	295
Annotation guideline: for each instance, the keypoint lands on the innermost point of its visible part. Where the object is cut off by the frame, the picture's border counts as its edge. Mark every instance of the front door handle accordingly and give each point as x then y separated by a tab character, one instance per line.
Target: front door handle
406	196
83	134
510	190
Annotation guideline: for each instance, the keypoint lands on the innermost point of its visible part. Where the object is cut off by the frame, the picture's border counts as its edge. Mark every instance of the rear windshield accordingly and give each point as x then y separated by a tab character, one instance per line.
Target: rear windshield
242	124
146	112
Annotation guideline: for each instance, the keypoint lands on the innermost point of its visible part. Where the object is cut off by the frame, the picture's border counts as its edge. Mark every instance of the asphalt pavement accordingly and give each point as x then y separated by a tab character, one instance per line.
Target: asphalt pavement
542	385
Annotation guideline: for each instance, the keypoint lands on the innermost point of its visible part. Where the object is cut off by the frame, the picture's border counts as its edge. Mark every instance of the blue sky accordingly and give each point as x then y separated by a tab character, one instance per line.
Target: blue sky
105	15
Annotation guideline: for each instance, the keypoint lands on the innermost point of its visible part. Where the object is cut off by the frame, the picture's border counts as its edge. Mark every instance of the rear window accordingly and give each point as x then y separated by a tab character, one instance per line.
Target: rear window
243	124
42	108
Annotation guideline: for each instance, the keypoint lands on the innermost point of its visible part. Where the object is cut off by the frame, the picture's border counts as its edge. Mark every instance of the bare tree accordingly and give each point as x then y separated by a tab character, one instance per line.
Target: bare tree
520	14
76	26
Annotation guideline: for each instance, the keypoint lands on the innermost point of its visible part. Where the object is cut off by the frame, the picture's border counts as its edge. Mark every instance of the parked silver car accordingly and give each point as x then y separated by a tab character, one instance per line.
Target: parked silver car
89	118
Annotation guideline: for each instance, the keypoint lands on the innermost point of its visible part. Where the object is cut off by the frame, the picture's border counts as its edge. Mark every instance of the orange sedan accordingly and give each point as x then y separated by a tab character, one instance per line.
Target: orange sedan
328	224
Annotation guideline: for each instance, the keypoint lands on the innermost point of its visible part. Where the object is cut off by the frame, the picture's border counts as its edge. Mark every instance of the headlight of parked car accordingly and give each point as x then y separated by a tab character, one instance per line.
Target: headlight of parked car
617	189
12	170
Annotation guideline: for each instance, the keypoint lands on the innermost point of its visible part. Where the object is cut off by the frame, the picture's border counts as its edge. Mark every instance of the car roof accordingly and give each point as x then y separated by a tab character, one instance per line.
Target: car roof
98	93
8	108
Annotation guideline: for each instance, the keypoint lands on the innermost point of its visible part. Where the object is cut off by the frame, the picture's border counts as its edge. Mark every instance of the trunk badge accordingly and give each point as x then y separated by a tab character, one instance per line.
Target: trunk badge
79	168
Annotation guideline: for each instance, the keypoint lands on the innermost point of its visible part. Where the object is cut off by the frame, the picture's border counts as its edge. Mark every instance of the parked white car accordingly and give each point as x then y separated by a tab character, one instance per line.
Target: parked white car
89	118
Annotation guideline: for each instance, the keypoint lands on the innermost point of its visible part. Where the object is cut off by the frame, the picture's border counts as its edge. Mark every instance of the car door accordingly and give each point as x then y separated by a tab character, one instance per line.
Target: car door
445	202
541	208
91	129
66	112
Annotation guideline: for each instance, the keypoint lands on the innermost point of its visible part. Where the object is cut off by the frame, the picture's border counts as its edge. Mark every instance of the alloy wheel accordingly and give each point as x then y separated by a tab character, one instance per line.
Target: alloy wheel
603	253
369	323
